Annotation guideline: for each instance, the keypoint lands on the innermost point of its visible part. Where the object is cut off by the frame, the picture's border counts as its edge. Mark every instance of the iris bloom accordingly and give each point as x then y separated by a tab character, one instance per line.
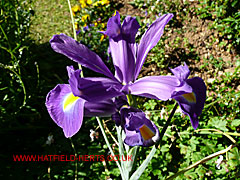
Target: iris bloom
139	130
67	110
192	103
128	58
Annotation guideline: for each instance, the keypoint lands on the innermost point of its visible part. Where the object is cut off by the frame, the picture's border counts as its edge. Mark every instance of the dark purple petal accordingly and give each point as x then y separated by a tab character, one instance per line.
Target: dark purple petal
102	109
125	32
139	130
120	101
130	28
192	103
65	109
181	72
116	117
123	60
150	39
79	53
96	89
114	27
158	87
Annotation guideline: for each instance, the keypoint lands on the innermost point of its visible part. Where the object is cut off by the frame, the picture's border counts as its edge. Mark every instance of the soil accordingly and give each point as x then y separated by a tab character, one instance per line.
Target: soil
203	46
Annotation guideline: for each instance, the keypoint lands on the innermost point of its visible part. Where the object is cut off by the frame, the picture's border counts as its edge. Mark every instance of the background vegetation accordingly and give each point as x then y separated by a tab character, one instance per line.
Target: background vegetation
205	34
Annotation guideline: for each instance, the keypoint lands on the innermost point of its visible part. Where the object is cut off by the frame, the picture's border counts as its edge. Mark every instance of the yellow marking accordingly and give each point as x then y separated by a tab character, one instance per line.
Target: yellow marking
146	132
69	100
190	97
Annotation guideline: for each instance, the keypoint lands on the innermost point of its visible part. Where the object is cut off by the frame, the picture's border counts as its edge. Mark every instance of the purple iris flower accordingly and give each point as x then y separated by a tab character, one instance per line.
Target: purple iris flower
67	110
139	130
128	58
192	103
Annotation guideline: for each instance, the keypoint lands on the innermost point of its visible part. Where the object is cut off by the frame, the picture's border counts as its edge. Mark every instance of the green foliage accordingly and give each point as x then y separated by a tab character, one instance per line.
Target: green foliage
15	65
226	17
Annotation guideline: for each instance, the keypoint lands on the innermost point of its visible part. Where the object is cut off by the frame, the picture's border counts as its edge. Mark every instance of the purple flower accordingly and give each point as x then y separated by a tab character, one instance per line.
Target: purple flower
192	103
85	28
128	58
139	130
67	110
78	31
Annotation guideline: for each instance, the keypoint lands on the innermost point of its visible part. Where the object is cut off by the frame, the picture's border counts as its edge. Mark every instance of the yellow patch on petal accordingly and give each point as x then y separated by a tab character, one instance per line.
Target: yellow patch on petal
146	132
190	97
69	101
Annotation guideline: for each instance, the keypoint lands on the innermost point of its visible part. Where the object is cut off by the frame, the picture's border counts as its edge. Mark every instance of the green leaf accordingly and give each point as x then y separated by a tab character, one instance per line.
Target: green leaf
219	124
140	170
235	122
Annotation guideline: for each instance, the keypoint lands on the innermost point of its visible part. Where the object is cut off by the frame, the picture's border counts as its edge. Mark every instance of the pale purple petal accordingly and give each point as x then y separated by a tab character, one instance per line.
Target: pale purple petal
65	109
158	87
150	39
181	72
123	60
79	53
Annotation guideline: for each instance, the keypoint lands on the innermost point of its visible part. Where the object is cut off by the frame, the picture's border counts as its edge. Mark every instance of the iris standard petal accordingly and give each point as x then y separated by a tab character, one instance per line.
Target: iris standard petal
125	32
158	87
123	60
96	89
65	109
79	53
181	72
150	39
114	28
102	109
138	129
130	28
192	103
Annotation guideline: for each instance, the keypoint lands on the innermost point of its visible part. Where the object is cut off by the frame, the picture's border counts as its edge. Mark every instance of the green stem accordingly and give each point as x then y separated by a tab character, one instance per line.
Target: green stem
201	162
109	146
74	32
219	132
75	154
166	125
20	79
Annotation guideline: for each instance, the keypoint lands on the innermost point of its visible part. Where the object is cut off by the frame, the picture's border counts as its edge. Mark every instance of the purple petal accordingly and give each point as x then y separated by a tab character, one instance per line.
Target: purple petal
102	109
150	39
96	89
74	76
116	117
181	72
114	27
79	53
192	103
125	32
158	87
65	109
123	60
138	129
130	28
